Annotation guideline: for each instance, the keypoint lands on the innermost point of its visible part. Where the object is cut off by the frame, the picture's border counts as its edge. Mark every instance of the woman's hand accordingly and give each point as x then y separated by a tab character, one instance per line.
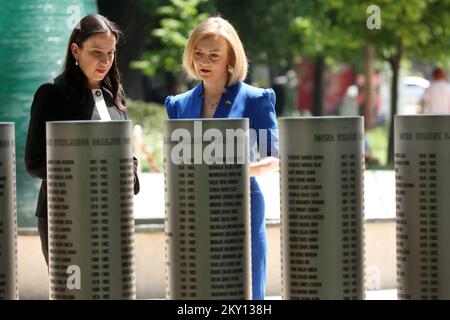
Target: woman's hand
263	166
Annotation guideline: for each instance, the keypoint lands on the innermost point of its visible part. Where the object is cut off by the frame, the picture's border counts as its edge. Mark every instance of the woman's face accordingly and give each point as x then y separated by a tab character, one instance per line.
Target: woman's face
95	57
211	59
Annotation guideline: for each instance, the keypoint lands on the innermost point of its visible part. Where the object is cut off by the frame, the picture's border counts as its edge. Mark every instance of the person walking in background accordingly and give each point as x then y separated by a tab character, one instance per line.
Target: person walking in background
88	88
436	99
215	55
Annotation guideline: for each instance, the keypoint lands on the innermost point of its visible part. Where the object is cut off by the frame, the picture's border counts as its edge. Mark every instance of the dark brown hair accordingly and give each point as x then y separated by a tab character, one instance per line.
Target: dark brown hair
438	73
75	79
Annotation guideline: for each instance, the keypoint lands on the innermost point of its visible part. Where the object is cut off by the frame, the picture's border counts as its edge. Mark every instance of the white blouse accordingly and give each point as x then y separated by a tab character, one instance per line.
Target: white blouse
100	105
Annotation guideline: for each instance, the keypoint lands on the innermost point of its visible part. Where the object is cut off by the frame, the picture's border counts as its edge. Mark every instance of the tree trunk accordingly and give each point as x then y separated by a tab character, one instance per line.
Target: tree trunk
136	26
395	67
319	67
369	55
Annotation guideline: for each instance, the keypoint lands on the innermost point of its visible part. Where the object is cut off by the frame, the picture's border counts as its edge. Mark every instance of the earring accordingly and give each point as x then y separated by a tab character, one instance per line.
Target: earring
230	69
76	62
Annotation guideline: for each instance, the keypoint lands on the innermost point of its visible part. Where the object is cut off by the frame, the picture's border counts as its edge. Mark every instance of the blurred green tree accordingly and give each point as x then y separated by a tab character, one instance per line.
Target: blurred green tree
276	33
136	22
323	37
417	29
264	28
166	43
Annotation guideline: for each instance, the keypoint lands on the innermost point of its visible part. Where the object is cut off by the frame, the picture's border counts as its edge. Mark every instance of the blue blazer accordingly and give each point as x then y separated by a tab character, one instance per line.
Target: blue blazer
239	101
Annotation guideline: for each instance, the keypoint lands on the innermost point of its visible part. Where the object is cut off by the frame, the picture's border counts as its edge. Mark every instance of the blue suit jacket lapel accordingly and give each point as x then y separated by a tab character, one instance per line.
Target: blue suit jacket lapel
197	102
227	101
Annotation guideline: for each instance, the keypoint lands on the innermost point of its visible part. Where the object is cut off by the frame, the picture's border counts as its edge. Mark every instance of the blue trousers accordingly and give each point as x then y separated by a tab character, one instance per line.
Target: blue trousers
258	239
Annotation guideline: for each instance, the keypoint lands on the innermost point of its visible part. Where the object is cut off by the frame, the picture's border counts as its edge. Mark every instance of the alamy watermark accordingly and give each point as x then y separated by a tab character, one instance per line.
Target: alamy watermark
374	20
214	146
75	16
74	279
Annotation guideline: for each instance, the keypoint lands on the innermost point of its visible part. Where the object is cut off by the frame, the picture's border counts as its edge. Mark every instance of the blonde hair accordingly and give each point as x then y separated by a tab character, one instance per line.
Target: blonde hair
217	26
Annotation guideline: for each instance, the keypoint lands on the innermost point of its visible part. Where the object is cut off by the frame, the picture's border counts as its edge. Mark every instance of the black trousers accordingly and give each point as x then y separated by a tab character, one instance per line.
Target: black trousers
43	234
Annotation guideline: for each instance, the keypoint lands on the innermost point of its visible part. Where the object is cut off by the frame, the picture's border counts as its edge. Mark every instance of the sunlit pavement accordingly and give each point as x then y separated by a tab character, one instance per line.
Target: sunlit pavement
379	203
379	195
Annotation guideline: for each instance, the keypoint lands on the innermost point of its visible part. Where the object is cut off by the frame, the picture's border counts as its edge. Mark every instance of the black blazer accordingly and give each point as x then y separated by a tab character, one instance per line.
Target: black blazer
51	103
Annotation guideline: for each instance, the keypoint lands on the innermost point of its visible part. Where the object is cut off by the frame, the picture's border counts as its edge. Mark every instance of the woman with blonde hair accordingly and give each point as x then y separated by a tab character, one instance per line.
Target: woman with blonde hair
215	55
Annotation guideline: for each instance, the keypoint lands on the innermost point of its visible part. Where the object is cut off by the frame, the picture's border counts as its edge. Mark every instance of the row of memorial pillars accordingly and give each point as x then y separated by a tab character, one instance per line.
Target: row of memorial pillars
90	210
321	180
207	210
91	225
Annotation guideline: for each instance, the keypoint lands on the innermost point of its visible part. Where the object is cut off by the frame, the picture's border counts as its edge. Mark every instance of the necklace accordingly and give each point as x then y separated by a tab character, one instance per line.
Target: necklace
211	104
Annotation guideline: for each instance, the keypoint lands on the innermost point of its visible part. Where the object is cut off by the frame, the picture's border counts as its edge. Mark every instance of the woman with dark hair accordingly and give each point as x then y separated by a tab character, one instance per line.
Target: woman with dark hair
87	89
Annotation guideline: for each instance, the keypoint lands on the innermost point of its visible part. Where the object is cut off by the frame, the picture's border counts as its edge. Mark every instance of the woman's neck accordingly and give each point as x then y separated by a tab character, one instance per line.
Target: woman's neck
213	89
94	85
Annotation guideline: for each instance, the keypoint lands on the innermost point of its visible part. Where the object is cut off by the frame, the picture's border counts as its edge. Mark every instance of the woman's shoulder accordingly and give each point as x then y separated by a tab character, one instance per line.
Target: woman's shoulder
256	93
177	103
51	89
53	86
252	93
182	97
